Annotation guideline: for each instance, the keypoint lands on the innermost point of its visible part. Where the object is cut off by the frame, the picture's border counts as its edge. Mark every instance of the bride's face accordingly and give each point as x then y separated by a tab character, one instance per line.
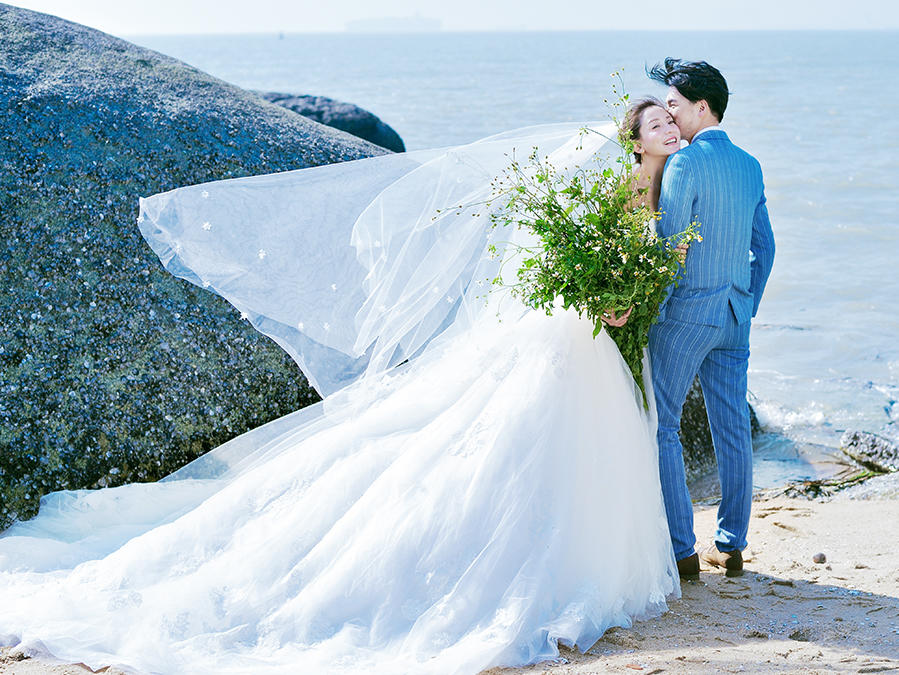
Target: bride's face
659	135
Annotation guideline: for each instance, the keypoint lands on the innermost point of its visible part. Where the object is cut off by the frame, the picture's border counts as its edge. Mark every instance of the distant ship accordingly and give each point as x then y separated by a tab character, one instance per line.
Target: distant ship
408	24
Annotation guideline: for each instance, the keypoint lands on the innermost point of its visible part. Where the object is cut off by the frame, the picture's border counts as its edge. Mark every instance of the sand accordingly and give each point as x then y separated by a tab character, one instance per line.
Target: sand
787	614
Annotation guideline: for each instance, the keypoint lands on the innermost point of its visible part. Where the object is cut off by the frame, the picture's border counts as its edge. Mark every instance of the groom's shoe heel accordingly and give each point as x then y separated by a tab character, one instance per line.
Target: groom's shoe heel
688	568
731	561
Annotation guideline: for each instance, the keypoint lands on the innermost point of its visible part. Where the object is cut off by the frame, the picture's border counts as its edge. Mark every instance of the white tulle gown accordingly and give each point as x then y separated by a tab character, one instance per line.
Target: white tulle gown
479	484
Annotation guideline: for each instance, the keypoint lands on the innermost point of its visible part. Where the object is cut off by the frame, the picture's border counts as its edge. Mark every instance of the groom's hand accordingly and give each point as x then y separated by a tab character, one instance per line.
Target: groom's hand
612	319
682	252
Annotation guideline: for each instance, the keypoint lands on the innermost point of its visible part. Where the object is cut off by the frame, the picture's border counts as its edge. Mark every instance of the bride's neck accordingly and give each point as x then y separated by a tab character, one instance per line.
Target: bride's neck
649	177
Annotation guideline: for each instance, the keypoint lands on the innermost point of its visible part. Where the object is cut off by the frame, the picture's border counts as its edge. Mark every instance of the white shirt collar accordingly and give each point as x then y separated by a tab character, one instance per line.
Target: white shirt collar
714	127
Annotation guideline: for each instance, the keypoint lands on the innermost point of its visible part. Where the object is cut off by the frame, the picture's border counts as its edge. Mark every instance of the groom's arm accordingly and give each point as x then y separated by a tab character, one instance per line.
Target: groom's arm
677	195
763	247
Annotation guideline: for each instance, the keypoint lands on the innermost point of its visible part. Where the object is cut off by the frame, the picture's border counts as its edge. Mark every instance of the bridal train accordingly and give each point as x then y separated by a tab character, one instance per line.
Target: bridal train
479	484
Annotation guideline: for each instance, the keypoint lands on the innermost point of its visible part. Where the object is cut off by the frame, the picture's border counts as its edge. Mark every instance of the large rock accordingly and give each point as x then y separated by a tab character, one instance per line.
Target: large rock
345	116
111	370
871	451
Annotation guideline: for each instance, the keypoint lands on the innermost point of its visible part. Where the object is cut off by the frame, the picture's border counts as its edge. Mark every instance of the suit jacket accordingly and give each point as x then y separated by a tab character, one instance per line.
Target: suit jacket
714	182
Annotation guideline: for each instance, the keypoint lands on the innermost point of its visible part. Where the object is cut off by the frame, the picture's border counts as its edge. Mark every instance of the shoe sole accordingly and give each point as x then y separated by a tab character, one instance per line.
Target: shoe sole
733	573
689	577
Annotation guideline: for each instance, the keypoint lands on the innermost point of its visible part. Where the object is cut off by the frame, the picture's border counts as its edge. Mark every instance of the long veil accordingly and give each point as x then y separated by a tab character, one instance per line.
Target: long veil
349	267
352	267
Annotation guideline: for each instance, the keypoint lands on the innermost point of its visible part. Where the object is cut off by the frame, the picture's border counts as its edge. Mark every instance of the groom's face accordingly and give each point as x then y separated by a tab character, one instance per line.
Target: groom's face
684	112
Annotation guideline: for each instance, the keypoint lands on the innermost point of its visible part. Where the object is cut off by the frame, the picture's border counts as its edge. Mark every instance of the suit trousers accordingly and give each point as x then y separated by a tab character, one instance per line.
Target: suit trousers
720	355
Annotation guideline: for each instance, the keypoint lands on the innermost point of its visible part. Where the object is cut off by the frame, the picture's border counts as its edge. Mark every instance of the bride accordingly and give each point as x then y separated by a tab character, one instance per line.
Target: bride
478	485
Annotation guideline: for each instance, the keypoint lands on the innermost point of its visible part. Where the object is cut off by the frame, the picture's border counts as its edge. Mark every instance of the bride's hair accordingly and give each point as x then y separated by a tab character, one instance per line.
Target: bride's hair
630	126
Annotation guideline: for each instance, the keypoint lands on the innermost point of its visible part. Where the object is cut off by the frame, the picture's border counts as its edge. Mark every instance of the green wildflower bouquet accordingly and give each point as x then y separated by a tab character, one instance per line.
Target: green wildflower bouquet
597	251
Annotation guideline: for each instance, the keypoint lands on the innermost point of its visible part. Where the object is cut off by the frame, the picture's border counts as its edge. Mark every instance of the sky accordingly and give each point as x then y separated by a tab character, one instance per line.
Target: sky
144	17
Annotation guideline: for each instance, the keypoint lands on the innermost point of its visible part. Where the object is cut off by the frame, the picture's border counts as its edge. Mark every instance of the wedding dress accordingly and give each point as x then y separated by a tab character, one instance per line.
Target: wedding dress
479	484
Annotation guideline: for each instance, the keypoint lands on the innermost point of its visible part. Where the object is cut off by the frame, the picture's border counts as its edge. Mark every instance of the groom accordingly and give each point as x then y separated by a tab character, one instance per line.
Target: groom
703	326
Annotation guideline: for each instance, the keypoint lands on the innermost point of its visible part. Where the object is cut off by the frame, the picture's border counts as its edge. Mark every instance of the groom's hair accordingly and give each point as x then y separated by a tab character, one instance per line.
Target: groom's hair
695	80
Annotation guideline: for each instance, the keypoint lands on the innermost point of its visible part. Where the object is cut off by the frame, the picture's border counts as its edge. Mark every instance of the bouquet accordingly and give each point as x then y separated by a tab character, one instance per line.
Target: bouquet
597	249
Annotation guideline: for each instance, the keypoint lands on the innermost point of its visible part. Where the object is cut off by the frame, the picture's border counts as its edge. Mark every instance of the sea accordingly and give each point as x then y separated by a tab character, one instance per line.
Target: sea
820	110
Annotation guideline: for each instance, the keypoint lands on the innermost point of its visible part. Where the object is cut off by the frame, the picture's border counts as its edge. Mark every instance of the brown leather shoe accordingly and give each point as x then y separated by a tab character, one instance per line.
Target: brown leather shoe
731	561
688	567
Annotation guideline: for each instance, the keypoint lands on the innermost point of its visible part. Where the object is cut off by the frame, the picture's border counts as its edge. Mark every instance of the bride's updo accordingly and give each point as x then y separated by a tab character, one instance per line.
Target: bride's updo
630	126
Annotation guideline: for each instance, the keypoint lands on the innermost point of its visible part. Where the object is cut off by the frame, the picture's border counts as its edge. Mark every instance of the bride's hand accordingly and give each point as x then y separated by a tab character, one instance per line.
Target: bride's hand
612	319
682	252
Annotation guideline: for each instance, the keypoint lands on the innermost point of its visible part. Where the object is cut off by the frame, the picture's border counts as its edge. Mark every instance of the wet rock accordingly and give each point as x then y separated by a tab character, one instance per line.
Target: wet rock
757	634
345	116
112	370
802	635
884	486
871	451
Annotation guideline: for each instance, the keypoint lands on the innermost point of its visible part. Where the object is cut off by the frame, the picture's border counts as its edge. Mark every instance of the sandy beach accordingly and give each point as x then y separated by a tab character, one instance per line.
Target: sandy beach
787	614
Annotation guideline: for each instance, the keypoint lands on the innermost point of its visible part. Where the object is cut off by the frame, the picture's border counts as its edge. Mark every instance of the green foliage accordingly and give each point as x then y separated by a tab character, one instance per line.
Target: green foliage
597	251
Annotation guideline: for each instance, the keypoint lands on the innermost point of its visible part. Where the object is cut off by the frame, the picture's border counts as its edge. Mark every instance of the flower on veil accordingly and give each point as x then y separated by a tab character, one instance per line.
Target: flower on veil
596	248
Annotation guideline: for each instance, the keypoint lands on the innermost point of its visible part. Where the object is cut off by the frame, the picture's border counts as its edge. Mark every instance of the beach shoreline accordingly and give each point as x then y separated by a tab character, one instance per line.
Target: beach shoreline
786	614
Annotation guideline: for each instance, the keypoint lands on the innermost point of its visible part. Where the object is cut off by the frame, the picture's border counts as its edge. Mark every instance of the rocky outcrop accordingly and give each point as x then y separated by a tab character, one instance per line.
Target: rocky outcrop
111	370
345	116
873	452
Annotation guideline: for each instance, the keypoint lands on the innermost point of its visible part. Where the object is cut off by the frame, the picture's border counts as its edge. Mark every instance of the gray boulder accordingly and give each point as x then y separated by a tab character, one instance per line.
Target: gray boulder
112	370
871	451
345	116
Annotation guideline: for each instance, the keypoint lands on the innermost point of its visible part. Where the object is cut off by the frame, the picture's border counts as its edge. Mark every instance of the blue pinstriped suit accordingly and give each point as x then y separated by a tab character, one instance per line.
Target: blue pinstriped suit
704	324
